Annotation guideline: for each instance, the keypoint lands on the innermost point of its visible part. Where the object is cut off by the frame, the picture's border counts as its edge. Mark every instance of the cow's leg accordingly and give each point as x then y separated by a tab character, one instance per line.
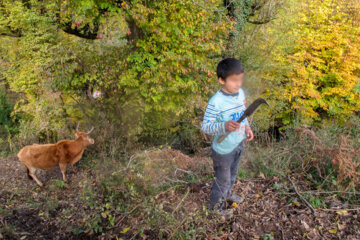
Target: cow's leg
28	173
63	170
32	174
73	167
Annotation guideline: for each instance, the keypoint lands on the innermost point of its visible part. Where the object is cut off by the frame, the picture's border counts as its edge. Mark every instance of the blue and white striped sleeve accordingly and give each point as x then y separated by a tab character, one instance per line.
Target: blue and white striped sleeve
209	124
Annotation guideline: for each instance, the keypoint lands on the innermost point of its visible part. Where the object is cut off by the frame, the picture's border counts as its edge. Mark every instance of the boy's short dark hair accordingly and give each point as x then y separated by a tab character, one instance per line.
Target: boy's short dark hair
229	66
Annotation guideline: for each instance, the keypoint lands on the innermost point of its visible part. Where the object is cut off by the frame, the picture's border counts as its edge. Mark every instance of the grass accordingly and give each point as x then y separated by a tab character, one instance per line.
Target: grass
140	182
310	153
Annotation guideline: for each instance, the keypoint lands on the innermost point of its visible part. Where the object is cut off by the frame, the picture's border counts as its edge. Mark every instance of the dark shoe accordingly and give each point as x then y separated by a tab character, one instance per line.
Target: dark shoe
218	206
223	214
235	198
226	214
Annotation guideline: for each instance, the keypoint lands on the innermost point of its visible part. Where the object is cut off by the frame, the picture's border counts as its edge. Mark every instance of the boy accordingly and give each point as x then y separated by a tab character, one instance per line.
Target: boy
223	109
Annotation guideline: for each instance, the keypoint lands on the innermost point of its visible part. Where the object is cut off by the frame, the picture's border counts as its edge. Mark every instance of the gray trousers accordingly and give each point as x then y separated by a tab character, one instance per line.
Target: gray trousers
226	167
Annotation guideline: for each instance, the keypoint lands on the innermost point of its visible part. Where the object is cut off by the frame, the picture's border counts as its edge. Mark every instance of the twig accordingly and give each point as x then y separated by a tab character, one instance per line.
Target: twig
326	179
324	192
185	171
130	160
282	234
126	214
162	192
252	179
176	229
182	200
175	180
335	210
301	197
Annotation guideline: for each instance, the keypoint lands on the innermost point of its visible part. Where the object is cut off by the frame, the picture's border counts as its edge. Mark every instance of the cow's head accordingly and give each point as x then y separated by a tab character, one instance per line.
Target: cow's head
85	136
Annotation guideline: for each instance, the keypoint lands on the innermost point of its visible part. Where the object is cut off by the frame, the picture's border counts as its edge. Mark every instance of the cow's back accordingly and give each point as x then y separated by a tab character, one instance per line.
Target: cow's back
41	156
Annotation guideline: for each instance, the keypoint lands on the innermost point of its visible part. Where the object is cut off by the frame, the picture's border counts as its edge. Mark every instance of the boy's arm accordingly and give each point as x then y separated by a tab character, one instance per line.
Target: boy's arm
246	123
209	124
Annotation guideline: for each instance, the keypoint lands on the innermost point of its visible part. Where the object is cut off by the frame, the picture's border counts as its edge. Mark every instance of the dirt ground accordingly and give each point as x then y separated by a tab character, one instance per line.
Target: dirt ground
23	201
266	213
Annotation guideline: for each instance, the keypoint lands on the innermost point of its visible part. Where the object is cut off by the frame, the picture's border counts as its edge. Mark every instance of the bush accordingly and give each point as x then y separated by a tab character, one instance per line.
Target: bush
8	123
146	58
134	186
322	84
328	157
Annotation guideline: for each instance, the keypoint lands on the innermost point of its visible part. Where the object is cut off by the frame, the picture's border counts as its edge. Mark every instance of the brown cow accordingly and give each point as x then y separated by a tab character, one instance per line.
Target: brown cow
48	156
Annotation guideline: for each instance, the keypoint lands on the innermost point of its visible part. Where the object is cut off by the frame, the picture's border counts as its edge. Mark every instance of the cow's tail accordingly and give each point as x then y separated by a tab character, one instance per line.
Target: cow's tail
28	173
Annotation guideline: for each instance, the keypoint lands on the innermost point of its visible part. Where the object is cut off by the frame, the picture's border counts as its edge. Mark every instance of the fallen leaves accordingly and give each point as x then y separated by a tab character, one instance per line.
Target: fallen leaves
264	214
343	212
125	230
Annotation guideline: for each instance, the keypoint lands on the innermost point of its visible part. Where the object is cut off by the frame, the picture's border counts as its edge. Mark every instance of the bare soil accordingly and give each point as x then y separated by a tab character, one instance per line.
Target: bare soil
24	202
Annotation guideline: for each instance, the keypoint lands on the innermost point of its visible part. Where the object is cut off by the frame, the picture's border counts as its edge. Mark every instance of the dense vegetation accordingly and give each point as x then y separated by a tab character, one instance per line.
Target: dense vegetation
141	72
154	61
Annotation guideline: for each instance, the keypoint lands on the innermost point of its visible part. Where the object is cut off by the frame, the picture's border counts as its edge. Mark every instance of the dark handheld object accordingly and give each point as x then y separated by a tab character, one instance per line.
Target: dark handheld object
250	110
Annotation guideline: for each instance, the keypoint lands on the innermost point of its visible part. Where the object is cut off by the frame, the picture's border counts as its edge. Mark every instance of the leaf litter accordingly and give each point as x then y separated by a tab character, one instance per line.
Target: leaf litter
267	212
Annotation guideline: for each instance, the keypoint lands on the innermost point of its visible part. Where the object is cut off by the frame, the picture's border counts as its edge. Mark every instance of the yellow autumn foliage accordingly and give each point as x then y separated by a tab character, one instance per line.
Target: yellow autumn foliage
324	80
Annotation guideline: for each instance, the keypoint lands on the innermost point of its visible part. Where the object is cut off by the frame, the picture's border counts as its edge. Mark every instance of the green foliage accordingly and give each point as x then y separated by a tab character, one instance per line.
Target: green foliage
5	112
125	193
153	62
259	47
317	202
305	62
112	194
147	58
242	10
58	185
8	123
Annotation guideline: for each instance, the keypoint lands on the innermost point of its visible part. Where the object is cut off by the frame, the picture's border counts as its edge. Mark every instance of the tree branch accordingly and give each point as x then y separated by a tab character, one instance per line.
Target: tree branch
255	7
84	32
259	22
11	34
301	197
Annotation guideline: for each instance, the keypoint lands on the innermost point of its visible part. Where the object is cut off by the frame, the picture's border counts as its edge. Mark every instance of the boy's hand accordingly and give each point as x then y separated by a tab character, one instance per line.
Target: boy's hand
232	126
249	134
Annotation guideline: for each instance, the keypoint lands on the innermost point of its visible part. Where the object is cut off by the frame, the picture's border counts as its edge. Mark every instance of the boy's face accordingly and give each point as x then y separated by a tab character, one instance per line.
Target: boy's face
233	83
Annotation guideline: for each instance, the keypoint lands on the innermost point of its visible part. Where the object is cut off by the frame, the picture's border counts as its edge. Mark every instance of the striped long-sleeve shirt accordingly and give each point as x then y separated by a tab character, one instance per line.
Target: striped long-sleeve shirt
223	107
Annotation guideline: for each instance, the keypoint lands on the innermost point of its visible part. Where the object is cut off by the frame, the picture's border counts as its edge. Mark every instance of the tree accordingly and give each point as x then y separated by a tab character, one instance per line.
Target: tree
152	60
325	68
245	12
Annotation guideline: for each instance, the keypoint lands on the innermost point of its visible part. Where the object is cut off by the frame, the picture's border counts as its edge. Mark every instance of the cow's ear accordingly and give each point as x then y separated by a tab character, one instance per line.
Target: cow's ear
76	134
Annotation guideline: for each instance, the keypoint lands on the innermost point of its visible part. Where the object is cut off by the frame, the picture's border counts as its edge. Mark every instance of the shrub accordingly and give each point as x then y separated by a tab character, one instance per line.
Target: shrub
328	157
8	123
324	76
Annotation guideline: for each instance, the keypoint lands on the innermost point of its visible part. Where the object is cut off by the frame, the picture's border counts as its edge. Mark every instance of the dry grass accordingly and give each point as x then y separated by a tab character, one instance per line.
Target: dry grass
344	158
160	166
328	157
